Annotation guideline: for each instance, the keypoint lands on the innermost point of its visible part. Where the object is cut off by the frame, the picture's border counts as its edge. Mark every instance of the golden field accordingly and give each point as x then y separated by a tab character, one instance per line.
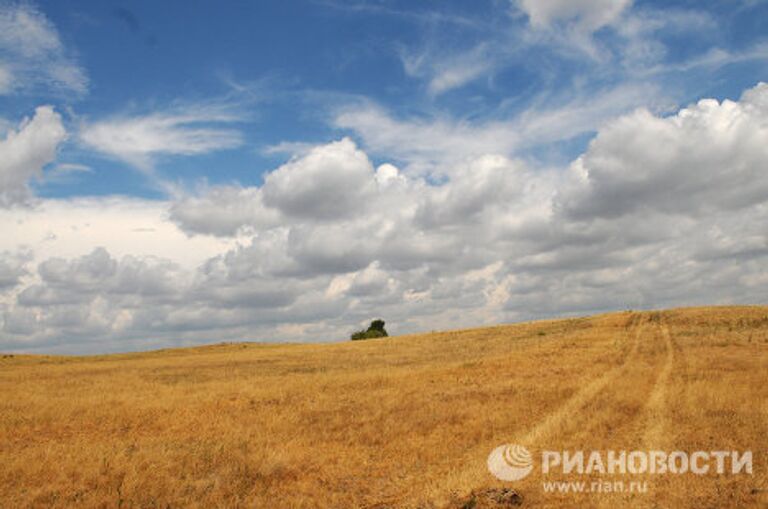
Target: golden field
398	422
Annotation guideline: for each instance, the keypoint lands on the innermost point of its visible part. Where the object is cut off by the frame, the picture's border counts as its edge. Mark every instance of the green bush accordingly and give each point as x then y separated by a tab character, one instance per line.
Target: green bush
375	330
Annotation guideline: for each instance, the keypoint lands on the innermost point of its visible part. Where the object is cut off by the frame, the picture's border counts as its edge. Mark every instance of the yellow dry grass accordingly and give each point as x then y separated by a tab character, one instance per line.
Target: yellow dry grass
398	422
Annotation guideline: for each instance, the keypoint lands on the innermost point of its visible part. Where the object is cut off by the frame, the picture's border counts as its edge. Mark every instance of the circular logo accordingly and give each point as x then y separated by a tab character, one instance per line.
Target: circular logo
510	462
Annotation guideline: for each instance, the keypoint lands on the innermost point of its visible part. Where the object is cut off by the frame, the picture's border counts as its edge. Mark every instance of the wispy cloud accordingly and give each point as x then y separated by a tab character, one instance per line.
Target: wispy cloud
714	58
422	17
33	54
63	172
583	15
569	25
424	142
64	168
447	72
185	130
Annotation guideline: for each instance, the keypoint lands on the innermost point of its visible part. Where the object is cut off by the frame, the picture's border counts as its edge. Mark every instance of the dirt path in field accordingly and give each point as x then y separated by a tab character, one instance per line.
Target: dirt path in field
603	395
628	407
656	412
555	421
652	428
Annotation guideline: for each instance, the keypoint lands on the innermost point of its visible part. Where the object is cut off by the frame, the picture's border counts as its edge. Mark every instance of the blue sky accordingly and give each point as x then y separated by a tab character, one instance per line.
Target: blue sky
288	66
230	131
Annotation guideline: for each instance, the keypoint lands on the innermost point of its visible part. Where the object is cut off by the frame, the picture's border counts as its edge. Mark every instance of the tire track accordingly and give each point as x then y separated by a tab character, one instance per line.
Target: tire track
656	411
654	421
556	420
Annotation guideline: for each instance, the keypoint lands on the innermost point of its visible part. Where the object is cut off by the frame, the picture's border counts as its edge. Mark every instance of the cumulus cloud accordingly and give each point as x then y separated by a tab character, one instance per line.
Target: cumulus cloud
709	156
32	55
659	211
13	266
99	273
326	183
223	211
329	182
25	151
182	131
91	295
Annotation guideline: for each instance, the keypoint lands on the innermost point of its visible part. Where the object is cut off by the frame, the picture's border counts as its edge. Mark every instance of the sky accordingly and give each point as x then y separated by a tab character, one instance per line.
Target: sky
180	173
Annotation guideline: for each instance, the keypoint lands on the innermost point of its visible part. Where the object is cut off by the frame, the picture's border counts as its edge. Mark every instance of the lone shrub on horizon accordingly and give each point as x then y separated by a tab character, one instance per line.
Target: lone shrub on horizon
375	330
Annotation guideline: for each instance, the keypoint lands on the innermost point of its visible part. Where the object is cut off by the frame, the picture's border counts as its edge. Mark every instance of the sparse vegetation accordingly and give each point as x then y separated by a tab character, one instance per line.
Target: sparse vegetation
406	422
375	330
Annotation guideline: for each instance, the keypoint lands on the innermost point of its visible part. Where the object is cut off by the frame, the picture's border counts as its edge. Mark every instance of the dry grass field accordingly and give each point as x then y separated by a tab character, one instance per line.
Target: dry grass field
400	422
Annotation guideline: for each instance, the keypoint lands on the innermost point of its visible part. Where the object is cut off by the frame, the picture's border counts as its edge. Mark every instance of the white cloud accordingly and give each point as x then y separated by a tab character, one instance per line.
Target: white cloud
427	143
448	72
25	151
588	15
712	59
424	139
126	226
632	43
224	211
708	156
569	27
13	266
34	56
186	130
659	211
329	182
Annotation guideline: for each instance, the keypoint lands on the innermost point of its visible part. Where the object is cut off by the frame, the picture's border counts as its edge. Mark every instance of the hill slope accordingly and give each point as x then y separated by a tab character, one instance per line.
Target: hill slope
399	422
